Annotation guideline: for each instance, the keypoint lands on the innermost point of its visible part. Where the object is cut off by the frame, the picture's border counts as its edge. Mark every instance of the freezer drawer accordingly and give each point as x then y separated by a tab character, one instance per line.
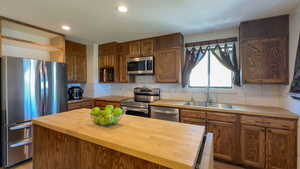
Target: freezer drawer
18	152
19	132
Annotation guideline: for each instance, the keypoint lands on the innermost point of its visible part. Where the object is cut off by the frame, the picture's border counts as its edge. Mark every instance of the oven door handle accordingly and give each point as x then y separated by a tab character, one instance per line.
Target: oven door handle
165	112
135	109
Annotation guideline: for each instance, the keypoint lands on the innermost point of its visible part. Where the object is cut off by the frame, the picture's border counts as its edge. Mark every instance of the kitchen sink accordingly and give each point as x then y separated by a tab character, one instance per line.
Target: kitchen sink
205	104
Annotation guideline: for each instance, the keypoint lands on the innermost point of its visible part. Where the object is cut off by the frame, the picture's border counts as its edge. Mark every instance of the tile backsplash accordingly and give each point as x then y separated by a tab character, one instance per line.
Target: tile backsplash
265	95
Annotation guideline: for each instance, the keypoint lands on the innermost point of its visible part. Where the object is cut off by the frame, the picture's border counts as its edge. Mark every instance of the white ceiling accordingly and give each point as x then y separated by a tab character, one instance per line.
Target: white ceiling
98	20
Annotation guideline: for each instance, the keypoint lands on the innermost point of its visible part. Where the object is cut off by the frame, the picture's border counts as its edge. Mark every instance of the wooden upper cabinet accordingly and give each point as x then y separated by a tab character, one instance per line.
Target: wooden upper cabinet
123	73
224	139
253	140
70	61
81	64
167	66
169	41
108	49
123	48
281	149
76	60
109	58
264	50
147	47
135	48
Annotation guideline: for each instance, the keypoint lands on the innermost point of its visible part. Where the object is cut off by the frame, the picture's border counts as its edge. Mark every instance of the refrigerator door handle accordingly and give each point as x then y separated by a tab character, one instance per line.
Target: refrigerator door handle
46	87
42	92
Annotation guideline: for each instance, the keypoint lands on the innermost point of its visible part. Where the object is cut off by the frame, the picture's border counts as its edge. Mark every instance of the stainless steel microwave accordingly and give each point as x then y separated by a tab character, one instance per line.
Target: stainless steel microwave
140	65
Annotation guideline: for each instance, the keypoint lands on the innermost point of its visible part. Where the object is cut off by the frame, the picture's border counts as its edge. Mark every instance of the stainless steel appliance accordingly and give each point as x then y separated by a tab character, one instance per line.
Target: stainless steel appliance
141	65
143	94
139	106
134	108
164	113
75	93
107	74
29	89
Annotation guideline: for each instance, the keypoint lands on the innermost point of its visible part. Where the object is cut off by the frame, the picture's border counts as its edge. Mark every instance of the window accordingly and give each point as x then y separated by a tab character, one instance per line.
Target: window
209	72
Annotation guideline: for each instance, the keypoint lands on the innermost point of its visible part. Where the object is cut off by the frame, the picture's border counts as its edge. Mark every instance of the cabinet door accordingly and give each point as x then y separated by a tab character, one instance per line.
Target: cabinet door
167	66
70	61
253	140
147	47
135	49
123	48
265	60
81	64
224	139
124	77
169	41
281	149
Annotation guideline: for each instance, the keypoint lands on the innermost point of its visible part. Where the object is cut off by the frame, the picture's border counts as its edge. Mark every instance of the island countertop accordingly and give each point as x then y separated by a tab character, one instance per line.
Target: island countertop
170	144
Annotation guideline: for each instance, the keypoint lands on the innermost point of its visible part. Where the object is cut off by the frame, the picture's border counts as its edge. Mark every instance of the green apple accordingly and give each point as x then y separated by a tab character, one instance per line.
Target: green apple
97	120
95	111
117	111
115	119
102	121
106	112
109	107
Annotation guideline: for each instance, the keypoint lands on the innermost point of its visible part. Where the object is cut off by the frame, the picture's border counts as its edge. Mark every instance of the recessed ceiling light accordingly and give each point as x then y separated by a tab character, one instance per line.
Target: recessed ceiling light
122	9
66	27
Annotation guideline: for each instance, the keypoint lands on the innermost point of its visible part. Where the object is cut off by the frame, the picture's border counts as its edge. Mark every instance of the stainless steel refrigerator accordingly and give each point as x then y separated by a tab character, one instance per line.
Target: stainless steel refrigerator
29	89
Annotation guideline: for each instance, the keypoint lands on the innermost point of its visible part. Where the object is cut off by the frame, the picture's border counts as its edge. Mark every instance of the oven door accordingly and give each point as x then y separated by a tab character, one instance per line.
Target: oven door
134	111
141	65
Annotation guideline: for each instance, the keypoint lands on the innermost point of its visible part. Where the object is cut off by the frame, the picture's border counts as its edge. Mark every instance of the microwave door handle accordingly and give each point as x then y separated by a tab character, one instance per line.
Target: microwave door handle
146	68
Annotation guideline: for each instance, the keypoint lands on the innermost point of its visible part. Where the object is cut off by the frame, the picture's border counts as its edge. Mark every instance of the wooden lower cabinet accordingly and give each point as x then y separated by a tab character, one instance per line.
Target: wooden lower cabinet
102	104
281	149
253	140
224	139
89	104
187	120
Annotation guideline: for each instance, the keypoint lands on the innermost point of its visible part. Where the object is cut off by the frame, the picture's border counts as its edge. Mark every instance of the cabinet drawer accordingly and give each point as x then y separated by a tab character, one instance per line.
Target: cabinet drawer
192	114
252	120
280	123
215	116
104	103
87	104
73	106
194	121
79	105
269	122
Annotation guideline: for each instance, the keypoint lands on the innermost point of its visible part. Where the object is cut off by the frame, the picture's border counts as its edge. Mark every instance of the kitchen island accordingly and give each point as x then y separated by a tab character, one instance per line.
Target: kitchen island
71	140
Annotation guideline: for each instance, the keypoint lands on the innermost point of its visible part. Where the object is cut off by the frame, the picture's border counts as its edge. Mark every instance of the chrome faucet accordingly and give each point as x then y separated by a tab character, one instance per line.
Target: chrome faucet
208	96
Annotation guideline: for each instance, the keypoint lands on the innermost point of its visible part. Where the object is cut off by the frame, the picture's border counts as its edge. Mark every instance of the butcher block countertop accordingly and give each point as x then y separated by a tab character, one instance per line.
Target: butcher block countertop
170	144
239	109
112	98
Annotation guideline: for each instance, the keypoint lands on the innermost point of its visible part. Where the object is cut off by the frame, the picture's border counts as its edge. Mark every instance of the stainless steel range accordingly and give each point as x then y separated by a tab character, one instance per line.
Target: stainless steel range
139	105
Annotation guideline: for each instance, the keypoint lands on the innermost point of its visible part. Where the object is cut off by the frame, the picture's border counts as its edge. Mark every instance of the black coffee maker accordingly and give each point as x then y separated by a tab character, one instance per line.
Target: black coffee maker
75	93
